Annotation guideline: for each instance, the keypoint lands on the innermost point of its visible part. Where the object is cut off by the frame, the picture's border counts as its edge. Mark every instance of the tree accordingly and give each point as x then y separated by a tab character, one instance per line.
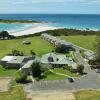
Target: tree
80	69
32	53
17	53
36	70
61	49
20	77
4	34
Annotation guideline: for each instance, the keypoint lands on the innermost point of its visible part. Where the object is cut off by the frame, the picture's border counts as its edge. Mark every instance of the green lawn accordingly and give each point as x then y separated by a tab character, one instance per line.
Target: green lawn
66	72
7	72
39	46
52	76
15	93
87	95
87	42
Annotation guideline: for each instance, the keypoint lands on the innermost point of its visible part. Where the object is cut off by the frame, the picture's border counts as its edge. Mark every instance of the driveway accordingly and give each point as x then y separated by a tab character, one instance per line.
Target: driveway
90	81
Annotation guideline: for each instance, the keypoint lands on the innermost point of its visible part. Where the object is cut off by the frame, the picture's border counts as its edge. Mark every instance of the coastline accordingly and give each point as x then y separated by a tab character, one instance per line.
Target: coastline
33	30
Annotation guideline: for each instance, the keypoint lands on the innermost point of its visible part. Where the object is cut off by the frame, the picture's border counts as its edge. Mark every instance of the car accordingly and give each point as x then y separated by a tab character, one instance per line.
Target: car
97	70
70	79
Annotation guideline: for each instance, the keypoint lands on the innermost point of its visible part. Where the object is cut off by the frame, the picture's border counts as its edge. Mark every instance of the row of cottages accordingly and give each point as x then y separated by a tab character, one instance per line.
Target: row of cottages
56	41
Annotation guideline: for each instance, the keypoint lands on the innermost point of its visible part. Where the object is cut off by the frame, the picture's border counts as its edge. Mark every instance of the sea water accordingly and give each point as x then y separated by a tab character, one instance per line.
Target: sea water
75	21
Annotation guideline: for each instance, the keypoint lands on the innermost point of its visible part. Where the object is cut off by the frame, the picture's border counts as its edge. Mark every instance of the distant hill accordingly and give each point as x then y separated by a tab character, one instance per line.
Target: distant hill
18	21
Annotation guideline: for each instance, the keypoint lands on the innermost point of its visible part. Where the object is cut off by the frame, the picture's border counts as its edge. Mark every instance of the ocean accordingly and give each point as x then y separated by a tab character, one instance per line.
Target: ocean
75	21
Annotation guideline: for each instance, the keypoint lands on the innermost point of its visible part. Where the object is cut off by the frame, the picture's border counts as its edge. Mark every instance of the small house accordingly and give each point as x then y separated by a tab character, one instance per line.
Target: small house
14	61
57	60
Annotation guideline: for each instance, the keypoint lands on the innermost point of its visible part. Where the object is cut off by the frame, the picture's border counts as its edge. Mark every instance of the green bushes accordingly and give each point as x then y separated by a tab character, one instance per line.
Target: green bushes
20	77
61	49
5	35
80	69
16	53
36	70
69	68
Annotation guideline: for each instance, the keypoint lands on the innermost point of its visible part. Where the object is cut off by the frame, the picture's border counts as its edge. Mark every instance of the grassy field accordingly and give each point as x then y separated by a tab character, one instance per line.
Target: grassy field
7	72
37	44
87	95
52	76
15	93
87	42
66	72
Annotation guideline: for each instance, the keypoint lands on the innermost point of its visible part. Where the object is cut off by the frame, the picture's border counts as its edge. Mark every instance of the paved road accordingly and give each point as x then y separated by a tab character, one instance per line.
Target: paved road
82	61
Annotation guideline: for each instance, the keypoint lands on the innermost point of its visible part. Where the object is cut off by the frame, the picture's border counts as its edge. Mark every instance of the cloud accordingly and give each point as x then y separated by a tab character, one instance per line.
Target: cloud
48	1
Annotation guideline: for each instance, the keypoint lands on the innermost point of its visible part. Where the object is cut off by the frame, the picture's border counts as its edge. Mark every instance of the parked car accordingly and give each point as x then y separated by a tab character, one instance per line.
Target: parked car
70	79
97	70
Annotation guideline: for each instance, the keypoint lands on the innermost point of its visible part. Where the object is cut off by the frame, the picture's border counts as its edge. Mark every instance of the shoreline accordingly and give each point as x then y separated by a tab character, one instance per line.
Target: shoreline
33	30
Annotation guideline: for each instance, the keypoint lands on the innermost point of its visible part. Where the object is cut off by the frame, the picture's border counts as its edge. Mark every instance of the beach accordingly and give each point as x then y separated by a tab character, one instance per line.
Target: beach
33	30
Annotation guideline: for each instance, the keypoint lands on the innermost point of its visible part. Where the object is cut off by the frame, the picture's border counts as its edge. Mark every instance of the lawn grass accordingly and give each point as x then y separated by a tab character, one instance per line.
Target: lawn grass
7	72
87	42
16	93
87	95
39	46
51	76
66	72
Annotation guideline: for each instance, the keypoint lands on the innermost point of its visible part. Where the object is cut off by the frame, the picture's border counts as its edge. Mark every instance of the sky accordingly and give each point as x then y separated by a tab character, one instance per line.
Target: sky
50	6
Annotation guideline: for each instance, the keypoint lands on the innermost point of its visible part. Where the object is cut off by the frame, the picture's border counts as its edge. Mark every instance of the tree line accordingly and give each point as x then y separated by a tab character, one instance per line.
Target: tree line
5	35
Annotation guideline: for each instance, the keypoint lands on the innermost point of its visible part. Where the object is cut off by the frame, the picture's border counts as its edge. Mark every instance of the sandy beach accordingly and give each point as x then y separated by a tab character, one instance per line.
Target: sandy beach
33	30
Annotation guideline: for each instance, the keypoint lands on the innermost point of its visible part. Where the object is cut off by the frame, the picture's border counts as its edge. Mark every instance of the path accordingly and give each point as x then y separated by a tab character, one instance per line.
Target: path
50	95
81	61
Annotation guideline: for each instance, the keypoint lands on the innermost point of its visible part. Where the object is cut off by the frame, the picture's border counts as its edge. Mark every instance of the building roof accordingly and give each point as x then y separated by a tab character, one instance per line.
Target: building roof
59	41
28	64
7	58
89	54
58	59
17	59
14	59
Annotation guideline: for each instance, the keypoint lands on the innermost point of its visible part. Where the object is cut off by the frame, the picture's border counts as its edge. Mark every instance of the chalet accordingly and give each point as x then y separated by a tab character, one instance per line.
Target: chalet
14	61
58	60
26	68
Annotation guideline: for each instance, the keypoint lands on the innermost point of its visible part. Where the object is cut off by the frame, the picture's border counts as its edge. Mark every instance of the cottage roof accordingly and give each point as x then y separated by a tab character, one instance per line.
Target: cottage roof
28	64
7	58
17	59
52	38
58	59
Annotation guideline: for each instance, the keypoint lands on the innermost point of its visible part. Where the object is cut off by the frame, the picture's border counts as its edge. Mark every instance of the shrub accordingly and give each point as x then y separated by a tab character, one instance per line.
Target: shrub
20	77
69	68
36	70
61	49
17	53
80	69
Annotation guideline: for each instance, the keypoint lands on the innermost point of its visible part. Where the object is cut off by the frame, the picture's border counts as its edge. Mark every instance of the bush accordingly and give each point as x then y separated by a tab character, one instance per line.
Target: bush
80	69
69	68
17	53
61	49
20	77
36	70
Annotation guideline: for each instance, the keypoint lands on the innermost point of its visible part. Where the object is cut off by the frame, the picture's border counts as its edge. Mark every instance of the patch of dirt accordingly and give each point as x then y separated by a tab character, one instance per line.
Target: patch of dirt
5	83
52	95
